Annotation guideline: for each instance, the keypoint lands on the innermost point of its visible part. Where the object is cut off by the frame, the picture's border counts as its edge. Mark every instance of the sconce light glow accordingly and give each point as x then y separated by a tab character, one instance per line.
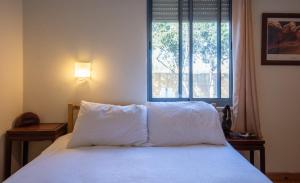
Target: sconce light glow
83	70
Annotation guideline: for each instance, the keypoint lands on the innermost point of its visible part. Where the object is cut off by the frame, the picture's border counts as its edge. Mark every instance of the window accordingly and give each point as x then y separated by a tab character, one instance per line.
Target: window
189	50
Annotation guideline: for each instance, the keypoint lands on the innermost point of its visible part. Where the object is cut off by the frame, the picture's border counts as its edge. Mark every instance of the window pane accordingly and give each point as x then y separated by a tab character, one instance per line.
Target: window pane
165	68
225	59
185	60
204	59
211	71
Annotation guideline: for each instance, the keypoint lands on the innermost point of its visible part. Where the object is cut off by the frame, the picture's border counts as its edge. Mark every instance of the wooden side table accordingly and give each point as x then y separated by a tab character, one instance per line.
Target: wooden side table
37	132
251	145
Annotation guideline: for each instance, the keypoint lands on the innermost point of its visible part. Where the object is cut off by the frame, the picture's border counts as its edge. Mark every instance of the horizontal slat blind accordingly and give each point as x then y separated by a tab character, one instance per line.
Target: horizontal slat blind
203	10
165	10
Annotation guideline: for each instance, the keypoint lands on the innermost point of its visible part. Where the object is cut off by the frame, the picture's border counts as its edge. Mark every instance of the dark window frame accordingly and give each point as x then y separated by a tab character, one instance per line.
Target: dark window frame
218	101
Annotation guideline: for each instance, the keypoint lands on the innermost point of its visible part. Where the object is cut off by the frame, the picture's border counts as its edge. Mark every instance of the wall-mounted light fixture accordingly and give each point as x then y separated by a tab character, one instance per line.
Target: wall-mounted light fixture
83	70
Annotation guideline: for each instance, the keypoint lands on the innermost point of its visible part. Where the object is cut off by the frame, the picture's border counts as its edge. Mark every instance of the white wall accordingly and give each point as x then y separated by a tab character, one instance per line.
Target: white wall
279	97
57	33
10	67
112	33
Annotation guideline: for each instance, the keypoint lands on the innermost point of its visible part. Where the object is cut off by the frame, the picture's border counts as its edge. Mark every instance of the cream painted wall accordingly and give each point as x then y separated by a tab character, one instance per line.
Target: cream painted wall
113	35
11	65
57	33
279	97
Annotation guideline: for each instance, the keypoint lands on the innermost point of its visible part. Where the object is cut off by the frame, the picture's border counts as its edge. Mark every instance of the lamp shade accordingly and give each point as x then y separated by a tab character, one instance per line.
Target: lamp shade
83	69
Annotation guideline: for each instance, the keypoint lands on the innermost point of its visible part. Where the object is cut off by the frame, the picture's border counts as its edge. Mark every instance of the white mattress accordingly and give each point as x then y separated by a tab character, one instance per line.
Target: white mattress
188	164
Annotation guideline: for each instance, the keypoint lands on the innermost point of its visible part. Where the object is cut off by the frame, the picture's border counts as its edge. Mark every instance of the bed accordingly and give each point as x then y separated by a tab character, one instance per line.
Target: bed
121	164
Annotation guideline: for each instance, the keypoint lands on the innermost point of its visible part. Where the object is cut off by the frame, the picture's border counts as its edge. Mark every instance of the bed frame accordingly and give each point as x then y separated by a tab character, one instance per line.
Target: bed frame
72	111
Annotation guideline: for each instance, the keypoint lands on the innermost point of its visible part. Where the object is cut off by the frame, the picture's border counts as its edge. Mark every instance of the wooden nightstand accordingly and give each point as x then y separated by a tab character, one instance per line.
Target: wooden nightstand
37	132
251	145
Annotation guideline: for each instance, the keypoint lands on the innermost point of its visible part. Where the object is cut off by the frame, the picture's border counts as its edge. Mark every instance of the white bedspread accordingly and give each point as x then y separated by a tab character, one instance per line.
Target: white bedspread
189	164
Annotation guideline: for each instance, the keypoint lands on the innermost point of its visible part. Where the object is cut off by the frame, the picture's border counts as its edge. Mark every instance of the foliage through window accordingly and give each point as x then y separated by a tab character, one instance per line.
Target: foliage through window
189	51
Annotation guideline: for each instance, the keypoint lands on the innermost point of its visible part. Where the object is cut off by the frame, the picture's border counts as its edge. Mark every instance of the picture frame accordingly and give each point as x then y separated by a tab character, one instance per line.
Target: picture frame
280	39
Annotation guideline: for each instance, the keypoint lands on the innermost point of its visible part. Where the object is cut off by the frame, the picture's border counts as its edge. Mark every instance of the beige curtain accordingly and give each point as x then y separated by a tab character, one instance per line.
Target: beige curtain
245	105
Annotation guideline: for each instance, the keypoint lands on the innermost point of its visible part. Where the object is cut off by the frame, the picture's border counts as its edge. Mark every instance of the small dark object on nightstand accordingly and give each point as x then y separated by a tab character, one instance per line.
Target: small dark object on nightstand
226	122
27	119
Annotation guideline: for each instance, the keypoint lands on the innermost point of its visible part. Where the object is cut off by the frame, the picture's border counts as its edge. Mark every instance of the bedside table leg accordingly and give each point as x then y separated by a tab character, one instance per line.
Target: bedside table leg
262	160
8	147
25	152
252	157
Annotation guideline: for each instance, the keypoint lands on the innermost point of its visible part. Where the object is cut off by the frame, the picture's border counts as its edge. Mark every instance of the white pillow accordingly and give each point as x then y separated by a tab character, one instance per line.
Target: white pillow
183	123
103	124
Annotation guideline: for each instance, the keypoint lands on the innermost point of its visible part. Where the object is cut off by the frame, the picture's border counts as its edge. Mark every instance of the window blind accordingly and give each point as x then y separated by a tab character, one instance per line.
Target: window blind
203	10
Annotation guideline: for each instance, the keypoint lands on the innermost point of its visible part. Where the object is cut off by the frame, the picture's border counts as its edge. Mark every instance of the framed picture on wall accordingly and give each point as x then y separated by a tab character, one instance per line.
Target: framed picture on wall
280	39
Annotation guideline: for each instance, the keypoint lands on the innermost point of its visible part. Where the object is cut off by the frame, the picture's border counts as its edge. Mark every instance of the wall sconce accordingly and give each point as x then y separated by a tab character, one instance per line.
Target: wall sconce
83	70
